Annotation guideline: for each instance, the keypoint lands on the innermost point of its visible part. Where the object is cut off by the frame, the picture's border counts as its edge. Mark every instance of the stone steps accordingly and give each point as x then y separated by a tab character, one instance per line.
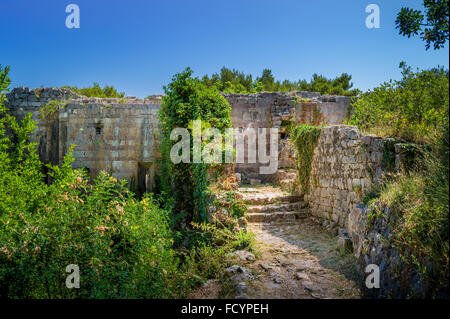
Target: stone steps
283	207
268	204
276	216
263	199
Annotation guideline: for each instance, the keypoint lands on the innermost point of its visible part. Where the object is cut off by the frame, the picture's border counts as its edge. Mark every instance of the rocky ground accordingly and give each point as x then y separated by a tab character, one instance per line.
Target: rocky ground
299	260
295	257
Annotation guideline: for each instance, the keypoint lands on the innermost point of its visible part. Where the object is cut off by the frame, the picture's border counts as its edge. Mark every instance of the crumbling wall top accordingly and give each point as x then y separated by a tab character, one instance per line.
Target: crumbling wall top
26	97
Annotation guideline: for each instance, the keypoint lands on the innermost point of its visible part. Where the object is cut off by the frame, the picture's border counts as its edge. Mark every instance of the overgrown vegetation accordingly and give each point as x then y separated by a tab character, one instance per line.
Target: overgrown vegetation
418	203
415	109
305	138
123	246
108	91
51	108
188	99
234	81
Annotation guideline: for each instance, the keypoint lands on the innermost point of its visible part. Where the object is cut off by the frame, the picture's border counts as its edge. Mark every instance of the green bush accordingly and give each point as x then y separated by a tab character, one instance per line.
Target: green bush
412	108
122	246
236	208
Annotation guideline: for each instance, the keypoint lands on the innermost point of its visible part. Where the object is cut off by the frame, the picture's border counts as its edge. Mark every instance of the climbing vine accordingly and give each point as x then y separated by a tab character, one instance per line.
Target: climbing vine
304	138
51	108
188	99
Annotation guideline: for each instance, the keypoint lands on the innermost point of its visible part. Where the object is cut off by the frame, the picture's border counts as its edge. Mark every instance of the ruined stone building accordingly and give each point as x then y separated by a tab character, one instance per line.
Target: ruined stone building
121	136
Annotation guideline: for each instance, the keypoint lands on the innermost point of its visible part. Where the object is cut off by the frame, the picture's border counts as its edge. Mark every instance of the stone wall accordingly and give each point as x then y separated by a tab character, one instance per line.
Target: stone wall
346	164
120	135
116	135
278	110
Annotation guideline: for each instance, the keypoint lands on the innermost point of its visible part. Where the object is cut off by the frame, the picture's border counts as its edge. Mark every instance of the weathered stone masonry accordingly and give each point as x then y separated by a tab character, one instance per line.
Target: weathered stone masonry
346	164
121	135
116	135
266	110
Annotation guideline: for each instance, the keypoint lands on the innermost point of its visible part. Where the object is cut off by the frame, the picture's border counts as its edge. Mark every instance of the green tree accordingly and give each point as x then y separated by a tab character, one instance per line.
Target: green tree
108	91
188	99
340	85
234	81
432	25
230	80
267	80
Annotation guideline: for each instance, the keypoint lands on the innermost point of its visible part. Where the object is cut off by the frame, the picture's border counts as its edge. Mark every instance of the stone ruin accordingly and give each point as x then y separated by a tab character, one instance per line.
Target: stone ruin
121	136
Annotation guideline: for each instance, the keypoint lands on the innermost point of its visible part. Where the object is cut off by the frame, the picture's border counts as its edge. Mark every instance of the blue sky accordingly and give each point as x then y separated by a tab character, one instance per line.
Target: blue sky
138	45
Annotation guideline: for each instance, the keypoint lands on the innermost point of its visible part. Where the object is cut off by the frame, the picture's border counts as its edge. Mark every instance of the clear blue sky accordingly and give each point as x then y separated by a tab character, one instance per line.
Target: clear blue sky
137	45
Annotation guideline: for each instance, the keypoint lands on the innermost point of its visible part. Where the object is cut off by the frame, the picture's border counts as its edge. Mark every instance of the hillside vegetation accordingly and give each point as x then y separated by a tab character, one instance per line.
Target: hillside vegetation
124	246
415	110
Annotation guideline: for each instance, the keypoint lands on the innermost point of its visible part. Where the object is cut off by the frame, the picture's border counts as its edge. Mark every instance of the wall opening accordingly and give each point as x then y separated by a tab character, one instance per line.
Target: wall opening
145	177
98	130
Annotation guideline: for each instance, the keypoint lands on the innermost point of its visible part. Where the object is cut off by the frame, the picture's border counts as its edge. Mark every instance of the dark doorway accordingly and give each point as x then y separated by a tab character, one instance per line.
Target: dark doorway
146	176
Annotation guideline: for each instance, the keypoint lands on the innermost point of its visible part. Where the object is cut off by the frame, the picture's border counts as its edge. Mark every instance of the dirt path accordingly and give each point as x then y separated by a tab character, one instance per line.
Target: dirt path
299	260
296	258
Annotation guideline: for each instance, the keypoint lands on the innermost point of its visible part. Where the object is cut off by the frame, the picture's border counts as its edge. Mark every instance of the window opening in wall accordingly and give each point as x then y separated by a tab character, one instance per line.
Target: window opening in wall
98	130
146	176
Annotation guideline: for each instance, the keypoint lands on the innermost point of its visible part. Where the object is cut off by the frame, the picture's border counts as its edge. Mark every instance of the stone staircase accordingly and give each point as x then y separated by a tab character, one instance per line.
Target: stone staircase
268	204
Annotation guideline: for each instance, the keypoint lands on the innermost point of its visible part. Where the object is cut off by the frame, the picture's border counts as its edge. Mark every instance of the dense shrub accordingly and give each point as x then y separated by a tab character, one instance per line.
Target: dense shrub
413	108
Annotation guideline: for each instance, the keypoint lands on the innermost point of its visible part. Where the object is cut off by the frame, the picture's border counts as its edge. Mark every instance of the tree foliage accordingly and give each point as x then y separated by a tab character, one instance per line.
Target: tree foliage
432	25
108	91
188	99
234	81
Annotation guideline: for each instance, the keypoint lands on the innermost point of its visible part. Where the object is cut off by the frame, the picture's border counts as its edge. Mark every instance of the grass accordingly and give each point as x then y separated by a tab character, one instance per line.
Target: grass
418	204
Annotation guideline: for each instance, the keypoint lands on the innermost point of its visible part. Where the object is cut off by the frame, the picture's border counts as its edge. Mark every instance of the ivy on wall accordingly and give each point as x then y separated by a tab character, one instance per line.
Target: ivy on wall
304	138
188	99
